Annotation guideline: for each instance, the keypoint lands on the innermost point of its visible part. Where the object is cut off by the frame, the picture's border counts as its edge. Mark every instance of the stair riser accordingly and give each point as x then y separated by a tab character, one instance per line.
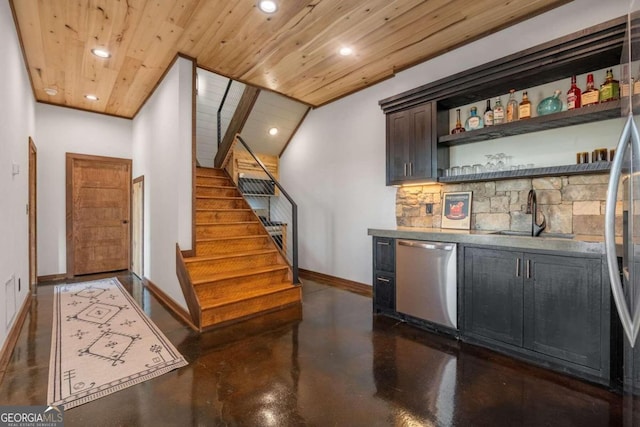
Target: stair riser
229	288
249	308
229	216
226	230
211	172
200	269
213	180
220	204
232	246
216	192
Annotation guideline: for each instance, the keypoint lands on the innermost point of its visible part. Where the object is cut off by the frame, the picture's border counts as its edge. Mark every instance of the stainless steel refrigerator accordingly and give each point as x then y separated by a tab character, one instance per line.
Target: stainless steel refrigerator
623	199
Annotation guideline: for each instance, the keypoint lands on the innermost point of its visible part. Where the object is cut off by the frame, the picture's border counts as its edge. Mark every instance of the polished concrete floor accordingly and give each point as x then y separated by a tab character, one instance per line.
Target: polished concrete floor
330	364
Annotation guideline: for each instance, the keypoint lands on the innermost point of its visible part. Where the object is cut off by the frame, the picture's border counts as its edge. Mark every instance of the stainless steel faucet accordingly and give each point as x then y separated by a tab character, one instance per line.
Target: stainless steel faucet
532	208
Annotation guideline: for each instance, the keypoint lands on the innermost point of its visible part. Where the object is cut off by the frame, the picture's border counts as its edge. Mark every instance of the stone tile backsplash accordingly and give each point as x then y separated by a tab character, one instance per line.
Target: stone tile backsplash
573	204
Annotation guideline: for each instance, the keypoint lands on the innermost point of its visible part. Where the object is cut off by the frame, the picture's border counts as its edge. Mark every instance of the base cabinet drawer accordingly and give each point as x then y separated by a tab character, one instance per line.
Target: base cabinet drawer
384	293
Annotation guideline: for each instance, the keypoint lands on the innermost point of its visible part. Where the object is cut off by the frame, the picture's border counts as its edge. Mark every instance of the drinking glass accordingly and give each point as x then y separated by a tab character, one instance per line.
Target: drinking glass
478	168
466	170
490	166
455	171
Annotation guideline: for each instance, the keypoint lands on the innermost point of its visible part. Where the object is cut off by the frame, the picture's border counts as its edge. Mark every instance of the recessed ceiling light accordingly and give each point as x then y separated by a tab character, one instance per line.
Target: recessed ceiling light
51	91
91	97
101	53
346	51
273	131
267	6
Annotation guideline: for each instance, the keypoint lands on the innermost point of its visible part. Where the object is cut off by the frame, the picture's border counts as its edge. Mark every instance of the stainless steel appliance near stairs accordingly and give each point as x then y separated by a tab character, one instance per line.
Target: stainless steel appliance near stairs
238	271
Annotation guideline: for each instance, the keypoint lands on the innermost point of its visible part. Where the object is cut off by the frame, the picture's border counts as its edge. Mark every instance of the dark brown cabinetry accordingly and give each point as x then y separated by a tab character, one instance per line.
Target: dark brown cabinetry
384	276
551	308
411	145
591	49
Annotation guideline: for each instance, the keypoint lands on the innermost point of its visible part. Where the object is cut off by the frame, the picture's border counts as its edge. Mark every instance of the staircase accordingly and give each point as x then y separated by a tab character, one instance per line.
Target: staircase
238	272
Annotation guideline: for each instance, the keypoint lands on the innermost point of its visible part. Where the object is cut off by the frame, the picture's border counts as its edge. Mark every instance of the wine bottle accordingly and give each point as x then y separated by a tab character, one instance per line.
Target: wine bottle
488	114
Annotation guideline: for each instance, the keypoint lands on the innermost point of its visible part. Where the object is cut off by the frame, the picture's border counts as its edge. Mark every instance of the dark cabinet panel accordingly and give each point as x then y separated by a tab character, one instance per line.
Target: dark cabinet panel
384	279
550	308
493	295
398	136
384	254
563	300
384	292
412	145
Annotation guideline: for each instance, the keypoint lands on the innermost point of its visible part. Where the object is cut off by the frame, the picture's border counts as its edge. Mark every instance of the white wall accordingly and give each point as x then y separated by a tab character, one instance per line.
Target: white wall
335	166
60	131
17	123
162	153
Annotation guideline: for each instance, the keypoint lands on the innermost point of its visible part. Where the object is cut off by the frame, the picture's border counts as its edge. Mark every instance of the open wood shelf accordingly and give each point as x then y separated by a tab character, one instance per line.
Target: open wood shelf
592	113
581	169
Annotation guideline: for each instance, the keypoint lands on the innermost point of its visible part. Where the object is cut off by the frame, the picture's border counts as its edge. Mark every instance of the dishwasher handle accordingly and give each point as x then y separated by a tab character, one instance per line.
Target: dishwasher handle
428	245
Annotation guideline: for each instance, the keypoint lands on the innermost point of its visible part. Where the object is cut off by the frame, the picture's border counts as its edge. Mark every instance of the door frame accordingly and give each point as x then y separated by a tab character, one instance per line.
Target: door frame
70	159
33	218
137	180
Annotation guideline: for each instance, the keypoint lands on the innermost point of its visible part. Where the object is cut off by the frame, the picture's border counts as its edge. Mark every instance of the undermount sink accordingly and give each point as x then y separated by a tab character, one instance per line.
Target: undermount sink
528	234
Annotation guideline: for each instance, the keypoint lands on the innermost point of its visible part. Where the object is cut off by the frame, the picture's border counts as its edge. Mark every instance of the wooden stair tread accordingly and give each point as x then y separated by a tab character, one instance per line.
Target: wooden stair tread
223	210
240	273
220	197
216	239
213	303
227	256
223	187
229	223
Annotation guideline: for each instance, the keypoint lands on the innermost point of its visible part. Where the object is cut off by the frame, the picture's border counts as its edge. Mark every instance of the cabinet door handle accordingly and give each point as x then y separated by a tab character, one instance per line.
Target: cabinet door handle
528	269
517	267
382	279
410	168
382	243
405	169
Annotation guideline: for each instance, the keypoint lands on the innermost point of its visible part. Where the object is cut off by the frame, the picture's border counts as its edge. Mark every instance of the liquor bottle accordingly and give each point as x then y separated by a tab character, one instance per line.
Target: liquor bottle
610	89
458	128
498	112
512	107
550	105
626	83
636	84
573	95
488	114
474	121
591	95
524	109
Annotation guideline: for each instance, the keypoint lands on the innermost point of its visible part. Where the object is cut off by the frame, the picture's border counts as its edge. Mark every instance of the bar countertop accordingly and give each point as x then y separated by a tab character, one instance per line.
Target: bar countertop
585	244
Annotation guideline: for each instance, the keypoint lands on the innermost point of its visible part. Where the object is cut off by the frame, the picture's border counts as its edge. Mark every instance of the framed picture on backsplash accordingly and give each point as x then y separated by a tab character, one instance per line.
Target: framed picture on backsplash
456	210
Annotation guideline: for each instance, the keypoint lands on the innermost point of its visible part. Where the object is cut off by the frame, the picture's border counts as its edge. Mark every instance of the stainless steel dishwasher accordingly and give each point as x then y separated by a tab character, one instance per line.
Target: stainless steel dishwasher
426	281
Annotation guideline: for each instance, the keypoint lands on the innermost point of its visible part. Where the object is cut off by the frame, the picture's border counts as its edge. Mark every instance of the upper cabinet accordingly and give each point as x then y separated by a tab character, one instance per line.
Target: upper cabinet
591	49
412	145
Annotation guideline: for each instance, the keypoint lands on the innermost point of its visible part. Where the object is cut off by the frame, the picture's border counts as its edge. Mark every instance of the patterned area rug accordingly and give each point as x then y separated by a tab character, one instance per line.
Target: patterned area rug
102	343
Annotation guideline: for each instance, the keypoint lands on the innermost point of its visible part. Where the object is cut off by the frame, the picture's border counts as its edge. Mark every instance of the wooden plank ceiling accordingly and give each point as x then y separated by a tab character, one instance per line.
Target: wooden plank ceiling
293	51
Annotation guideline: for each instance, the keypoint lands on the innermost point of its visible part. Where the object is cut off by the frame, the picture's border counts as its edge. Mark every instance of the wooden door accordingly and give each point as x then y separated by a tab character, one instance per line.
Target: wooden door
563	305
493	295
98	214
137	227
33	209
